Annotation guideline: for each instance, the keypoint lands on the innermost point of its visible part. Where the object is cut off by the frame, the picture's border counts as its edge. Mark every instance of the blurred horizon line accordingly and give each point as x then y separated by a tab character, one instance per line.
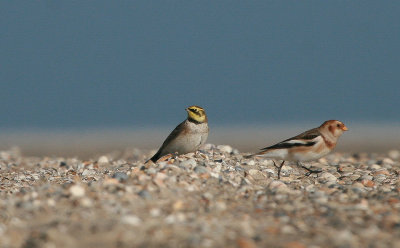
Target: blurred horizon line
85	143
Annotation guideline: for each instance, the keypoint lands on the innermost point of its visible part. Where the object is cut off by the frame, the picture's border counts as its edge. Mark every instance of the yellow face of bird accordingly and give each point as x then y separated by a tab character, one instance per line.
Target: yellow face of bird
196	114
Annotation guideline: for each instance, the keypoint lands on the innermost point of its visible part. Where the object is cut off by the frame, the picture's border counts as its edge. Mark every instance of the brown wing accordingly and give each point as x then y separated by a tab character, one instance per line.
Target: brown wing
173	135
306	136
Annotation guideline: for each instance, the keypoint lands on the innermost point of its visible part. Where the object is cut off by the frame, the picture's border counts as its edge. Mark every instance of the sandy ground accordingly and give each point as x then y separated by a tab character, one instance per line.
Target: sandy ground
215	198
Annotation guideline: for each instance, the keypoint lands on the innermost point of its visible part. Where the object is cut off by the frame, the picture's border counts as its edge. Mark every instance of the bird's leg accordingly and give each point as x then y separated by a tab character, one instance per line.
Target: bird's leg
310	171
279	168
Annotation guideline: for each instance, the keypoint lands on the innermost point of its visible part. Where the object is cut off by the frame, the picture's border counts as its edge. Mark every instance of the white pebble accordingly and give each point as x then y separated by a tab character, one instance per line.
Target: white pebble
188	163
103	160
86	202
251	162
155	212
256	174
394	154
278	186
77	191
388	161
375	166
87	172
132	220
225	148
327	177
267	162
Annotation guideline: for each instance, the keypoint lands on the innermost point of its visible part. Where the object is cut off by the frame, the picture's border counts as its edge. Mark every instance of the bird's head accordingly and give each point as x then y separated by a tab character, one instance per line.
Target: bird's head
196	114
336	128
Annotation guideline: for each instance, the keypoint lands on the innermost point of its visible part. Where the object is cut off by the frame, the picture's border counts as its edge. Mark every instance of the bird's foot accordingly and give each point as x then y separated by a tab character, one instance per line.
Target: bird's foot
279	168
310	171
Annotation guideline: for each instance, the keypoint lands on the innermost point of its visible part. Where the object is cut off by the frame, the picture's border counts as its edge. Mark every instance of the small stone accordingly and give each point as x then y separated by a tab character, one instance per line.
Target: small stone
170	219
151	171
245	243
132	220
387	161
103	160
358	185
344	238
278	186
294	244
144	194
178	205
159	179
86	202
225	148
88	172
120	176
380	178
362	205
394	154
190	163
354	177
256	174
155	212
251	162
327	178
368	183
110	181
310	188
375	167
77	191
286	229
200	169
345	168
220	206
267	162
51	202
367	177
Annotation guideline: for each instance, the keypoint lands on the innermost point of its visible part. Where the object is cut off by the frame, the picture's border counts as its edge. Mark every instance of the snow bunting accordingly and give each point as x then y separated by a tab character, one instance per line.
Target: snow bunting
187	136
310	145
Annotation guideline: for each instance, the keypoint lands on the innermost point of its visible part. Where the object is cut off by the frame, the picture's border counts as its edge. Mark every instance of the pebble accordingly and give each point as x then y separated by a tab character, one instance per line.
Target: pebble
77	191
278	186
88	172
225	148
375	167
103	161
328	178
132	220
144	194
251	162
368	183
215	198
190	163
120	176
256	174
200	169
394	154
387	161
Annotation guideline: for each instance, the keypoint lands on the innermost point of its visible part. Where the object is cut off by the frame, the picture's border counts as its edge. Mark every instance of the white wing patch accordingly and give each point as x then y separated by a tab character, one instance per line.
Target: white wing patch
276	154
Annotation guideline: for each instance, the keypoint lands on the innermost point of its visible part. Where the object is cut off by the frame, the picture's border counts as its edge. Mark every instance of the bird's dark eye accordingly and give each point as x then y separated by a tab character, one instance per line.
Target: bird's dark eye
338	125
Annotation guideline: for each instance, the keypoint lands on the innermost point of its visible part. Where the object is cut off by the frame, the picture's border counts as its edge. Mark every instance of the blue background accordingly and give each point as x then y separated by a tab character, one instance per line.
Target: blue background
76	64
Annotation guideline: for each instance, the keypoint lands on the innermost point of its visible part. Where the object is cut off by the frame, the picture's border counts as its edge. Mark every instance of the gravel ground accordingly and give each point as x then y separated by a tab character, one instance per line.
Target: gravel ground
214	198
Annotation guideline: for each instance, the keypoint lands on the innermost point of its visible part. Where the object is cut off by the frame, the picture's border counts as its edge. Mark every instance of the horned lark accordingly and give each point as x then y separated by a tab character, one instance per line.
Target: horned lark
187	136
310	145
